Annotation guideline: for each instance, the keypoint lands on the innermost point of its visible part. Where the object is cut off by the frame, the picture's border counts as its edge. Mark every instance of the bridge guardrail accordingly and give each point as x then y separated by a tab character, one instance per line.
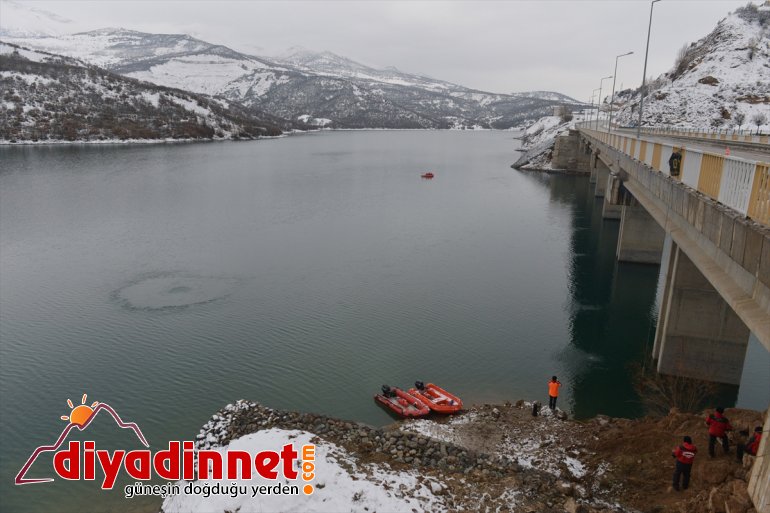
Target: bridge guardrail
743	185
726	135
712	135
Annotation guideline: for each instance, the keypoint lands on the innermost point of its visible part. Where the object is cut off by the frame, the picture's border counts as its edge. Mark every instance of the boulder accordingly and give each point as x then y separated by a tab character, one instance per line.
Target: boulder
717	472
716	502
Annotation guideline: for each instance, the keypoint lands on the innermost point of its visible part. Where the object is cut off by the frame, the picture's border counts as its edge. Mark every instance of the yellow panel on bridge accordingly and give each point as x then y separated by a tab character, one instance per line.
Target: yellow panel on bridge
711	167
759	204
656	149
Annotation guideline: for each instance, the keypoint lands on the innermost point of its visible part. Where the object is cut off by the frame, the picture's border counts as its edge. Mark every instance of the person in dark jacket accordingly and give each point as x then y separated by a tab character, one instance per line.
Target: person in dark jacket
685	455
718	425
675	162
751	446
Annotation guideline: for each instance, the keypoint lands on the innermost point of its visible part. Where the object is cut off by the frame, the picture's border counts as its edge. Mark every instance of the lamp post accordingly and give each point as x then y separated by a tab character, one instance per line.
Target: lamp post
599	100
612	98
644	73
591	119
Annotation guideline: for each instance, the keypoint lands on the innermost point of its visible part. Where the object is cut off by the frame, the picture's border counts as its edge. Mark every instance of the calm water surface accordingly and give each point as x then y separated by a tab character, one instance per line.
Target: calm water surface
303	273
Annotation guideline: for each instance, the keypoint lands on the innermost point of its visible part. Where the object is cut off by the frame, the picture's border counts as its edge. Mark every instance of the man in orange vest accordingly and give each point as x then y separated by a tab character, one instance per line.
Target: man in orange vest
553	392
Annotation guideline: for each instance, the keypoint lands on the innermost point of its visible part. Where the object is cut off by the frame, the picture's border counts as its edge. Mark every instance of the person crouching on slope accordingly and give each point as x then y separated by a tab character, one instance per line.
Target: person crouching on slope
685	455
553	392
751	446
718	425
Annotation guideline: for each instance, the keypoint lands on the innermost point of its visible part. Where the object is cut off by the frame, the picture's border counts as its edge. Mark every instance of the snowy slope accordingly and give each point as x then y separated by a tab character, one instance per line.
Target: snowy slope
301	83
17	20
723	74
52	98
546	95
343	483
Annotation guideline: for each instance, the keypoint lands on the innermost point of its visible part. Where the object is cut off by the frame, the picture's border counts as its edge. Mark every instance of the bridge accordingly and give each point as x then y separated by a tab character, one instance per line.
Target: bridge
709	230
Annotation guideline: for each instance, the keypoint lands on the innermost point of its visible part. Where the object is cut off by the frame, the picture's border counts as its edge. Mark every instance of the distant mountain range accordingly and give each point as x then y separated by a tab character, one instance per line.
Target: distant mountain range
306	88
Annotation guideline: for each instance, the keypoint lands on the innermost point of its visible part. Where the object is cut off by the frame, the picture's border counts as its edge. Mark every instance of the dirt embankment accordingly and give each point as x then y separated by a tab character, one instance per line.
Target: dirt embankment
502	458
607	464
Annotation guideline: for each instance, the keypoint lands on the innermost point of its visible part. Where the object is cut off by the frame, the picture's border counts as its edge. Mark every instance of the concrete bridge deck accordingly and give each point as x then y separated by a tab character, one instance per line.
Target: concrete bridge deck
716	219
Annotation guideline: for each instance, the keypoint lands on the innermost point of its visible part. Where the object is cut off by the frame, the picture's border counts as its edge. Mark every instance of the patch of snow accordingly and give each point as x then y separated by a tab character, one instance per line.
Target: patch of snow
342	483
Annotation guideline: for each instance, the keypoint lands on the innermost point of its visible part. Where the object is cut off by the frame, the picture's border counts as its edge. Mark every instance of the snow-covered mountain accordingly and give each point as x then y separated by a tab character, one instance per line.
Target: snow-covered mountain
17	20
51	98
299	85
547	95
720	81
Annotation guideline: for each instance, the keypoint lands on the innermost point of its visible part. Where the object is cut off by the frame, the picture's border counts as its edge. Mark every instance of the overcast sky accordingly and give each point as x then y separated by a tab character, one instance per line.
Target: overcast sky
499	46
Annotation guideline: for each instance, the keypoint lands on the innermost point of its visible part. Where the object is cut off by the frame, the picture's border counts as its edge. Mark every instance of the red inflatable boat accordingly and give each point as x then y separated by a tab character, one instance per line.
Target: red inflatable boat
438	399
401	403
427	175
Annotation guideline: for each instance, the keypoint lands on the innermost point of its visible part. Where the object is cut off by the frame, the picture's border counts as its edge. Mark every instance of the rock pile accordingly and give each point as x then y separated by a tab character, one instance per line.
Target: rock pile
391	445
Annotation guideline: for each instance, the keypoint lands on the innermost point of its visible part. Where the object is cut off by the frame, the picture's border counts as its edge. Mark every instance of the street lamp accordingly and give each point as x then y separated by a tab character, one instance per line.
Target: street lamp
599	101
612	98
593	95
644	73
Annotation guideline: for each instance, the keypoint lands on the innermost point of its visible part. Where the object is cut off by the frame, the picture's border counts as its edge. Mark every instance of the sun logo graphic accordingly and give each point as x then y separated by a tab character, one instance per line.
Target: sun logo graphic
82	413
80	417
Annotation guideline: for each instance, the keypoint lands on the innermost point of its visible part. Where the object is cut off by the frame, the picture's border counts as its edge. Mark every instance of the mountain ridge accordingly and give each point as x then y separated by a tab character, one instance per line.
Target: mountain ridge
301	85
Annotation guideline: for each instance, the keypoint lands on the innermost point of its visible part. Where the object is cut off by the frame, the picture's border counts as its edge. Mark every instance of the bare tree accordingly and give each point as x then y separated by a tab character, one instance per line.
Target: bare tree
660	392
759	119
740	117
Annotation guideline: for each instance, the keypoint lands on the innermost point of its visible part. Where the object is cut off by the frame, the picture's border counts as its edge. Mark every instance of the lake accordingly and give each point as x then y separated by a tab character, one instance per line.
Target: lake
302	272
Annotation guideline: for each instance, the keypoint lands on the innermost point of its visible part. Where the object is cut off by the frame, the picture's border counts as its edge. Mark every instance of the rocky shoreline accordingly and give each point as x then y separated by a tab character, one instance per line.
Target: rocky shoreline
501	458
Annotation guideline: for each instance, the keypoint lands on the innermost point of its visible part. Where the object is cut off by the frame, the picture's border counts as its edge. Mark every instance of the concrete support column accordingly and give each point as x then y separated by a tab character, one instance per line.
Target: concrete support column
701	337
593	159
641	238
759	482
613	207
602	174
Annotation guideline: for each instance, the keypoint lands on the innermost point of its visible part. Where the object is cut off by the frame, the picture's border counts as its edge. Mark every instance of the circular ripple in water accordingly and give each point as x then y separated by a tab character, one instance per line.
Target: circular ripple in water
173	291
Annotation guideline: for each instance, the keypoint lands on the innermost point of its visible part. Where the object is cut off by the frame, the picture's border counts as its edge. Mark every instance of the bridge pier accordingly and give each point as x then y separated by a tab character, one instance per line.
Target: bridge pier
593	160
613	198
698	335
602	174
641	238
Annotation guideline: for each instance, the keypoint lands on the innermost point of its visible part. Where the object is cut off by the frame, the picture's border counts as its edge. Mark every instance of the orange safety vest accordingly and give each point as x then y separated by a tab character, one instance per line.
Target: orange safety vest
553	388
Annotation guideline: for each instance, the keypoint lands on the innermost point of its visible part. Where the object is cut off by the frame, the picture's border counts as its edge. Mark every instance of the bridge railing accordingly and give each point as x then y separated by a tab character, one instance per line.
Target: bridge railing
726	135
714	135
743	185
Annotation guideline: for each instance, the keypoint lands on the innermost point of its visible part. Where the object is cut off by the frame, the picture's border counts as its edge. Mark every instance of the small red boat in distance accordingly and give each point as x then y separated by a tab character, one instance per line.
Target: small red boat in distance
437	399
401	403
427	176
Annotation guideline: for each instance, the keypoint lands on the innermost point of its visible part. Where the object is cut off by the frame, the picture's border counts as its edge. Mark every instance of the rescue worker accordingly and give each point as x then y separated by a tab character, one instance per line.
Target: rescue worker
751	446
675	162
718	425
553	392
684	454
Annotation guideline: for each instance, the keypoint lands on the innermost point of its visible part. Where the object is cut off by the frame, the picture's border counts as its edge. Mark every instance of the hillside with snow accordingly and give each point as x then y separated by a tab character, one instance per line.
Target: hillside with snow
300	84
720	81
49	98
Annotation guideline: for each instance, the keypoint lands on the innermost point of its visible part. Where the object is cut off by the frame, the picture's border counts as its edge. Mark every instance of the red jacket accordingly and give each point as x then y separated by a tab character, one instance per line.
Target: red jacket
718	425
685	453
753	445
